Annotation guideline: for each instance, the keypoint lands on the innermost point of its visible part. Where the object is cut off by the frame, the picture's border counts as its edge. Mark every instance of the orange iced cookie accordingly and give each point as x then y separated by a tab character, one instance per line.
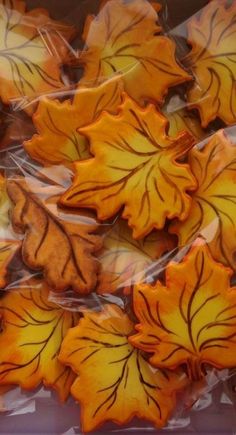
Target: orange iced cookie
58	140
125	261
115	382
213	208
123	39
183	119
32	49
212	62
190	320
135	169
32	332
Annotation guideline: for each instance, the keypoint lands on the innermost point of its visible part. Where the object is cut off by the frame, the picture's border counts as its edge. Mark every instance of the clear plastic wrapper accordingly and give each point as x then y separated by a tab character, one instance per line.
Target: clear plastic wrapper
117	216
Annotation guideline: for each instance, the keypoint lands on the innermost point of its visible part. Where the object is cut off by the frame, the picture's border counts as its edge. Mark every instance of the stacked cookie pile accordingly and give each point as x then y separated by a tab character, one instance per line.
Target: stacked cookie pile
117	199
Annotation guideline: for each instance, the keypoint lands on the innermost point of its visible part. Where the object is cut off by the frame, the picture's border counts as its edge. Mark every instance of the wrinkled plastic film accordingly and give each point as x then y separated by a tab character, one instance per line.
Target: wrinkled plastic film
122	262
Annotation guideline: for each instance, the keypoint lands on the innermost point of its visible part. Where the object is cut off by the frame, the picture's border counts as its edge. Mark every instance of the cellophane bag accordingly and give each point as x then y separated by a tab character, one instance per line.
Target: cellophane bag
117	216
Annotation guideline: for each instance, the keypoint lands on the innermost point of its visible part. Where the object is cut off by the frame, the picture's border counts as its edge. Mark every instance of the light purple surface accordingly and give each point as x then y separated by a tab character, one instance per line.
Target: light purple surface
213	414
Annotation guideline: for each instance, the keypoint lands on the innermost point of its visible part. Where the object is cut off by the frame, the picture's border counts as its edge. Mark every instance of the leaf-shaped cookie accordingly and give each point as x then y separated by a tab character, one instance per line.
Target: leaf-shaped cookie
213	208
32	332
58	140
61	247
8	249
123	39
125	261
32	49
4	203
191	320
184	120
212	62
115	382
135	167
